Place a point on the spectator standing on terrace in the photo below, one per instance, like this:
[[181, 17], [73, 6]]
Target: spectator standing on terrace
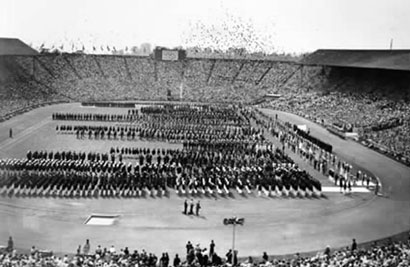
[[211, 249], [229, 256], [86, 248], [189, 247], [177, 261], [33, 251], [98, 250], [162, 261], [10, 245], [265, 257], [327, 251], [354, 245]]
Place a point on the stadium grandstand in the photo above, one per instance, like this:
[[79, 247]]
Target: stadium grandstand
[[369, 59], [15, 47], [144, 151]]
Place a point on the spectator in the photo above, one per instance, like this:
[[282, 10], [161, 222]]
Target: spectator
[[265, 257], [86, 247], [98, 251], [211, 249], [177, 261], [10, 245], [327, 251], [354, 245], [112, 249], [229, 256]]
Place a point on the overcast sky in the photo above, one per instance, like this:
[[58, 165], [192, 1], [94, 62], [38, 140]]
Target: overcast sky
[[290, 26]]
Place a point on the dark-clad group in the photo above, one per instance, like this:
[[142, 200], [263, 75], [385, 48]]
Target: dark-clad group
[[189, 207], [220, 152], [170, 123], [95, 117]]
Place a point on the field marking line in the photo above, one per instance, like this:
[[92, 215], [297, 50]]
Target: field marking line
[[23, 134]]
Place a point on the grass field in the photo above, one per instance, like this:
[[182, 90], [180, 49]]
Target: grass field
[[156, 224]]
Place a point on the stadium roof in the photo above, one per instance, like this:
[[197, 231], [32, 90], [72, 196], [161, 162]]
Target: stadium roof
[[12, 46], [373, 59]]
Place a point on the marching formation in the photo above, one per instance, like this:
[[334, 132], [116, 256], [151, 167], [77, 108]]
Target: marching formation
[[200, 169], [170, 123], [220, 152]]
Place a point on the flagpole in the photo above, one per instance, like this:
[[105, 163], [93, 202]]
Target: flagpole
[[234, 221]]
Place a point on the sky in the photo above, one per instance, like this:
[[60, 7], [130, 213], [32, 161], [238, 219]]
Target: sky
[[291, 26]]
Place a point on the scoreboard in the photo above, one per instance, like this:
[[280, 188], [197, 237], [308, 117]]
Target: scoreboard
[[161, 53]]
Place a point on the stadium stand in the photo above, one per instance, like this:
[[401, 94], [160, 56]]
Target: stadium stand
[[370, 59], [386, 253], [362, 91], [13, 46], [339, 90], [350, 91]]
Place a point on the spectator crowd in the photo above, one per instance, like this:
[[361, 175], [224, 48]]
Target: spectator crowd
[[386, 253], [374, 103]]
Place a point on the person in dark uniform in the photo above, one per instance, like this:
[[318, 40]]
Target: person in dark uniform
[[185, 206], [191, 207], [11, 133], [211, 249], [177, 261], [197, 208], [354, 245], [265, 257], [10, 245]]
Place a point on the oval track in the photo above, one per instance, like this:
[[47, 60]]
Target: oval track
[[278, 226]]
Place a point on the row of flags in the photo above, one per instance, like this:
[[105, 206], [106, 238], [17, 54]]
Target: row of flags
[[94, 49]]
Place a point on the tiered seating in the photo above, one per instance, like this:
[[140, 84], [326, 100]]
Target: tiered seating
[[170, 77], [385, 253], [374, 104], [367, 102]]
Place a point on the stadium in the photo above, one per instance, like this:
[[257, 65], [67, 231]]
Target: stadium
[[284, 161]]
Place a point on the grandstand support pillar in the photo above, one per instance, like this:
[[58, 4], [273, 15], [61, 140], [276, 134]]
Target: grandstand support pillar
[[301, 77]]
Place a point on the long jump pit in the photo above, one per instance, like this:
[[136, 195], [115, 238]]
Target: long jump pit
[[101, 220]]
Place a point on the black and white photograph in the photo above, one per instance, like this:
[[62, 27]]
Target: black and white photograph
[[204, 133]]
